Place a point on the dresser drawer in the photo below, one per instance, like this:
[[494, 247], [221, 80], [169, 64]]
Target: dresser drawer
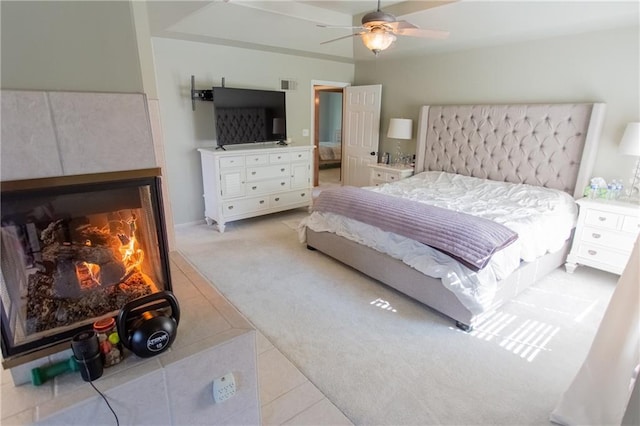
[[235, 161], [293, 197], [602, 219], [606, 256], [256, 159], [245, 205], [268, 172], [300, 156], [280, 157], [606, 238], [267, 186]]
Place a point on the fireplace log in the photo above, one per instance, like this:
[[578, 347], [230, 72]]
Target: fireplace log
[[70, 274]]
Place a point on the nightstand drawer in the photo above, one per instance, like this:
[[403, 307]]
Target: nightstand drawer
[[611, 239], [378, 175], [602, 219], [631, 224], [603, 255], [392, 177]]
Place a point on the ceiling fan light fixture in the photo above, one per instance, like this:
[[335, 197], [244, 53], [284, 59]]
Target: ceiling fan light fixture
[[378, 40]]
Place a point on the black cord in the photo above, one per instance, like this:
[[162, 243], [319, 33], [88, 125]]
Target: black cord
[[100, 393]]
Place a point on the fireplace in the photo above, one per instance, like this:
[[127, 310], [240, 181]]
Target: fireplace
[[75, 249]]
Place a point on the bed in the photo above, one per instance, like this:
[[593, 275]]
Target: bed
[[330, 154], [541, 150]]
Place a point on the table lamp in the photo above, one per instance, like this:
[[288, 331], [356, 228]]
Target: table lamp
[[630, 145], [400, 128]]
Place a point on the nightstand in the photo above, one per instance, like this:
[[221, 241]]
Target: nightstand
[[383, 173], [605, 234]]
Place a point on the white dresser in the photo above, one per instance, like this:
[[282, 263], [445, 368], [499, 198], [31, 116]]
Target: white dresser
[[243, 183], [605, 234], [383, 173]]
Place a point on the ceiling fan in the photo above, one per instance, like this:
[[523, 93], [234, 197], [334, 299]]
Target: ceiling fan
[[379, 30]]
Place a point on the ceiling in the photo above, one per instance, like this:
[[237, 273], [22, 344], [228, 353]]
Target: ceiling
[[291, 26]]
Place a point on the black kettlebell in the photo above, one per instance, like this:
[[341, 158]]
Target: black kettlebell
[[147, 332]]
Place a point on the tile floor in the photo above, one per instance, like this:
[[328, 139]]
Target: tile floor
[[287, 396]]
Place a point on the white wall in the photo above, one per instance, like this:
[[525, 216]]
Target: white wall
[[69, 45], [592, 67], [186, 130]]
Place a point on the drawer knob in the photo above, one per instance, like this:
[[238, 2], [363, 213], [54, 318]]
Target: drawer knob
[[282, 170], [254, 188], [392, 178], [253, 173], [283, 183], [303, 194], [230, 207], [261, 201], [602, 218], [277, 198], [592, 252], [594, 235]]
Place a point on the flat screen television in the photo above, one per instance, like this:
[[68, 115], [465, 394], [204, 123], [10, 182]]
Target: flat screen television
[[249, 116]]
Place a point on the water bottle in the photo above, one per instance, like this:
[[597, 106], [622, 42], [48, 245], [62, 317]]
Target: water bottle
[[593, 193], [611, 190], [619, 189]]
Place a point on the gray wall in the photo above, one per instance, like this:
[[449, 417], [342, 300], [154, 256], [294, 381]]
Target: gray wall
[[186, 130], [591, 67], [69, 45]]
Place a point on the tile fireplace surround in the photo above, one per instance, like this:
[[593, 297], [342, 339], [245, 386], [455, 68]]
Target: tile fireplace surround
[[51, 134]]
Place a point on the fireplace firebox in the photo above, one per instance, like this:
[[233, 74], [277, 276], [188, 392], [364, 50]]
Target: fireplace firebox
[[76, 249]]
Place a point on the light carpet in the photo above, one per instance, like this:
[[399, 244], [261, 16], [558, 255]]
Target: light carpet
[[381, 357]]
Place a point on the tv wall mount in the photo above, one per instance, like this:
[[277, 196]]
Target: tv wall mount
[[200, 95]]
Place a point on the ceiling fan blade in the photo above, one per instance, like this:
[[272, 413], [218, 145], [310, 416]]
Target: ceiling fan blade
[[338, 26], [417, 32], [340, 38], [402, 25]]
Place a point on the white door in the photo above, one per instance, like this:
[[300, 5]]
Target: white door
[[361, 131]]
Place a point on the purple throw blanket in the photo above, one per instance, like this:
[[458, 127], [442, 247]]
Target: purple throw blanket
[[469, 239]]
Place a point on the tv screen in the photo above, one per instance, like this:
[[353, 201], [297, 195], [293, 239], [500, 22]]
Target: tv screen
[[249, 116]]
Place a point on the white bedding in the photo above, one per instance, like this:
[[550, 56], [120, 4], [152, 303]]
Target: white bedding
[[542, 217]]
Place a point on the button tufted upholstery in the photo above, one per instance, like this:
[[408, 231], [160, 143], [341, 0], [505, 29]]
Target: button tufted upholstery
[[536, 144], [241, 125]]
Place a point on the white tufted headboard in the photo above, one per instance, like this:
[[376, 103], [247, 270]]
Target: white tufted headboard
[[550, 145]]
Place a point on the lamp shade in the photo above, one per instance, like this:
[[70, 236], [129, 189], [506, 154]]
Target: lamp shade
[[630, 143], [400, 128]]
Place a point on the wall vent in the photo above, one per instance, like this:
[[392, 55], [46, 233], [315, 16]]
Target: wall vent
[[288, 84]]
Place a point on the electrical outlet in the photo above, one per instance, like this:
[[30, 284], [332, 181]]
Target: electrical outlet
[[224, 387]]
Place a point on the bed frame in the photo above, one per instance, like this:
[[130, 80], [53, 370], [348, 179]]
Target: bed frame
[[550, 145]]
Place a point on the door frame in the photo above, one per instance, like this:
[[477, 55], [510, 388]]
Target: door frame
[[316, 86]]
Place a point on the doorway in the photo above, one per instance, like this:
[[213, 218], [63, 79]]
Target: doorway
[[327, 119]]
